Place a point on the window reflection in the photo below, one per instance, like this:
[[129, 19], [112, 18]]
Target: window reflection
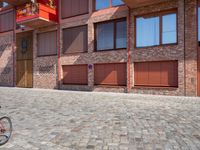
[[169, 29], [147, 31], [117, 2], [101, 4]]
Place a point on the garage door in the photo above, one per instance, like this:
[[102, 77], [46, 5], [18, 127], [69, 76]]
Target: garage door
[[110, 74], [75, 74]]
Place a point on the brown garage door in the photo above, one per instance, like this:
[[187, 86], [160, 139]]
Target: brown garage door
[[110, 74], [75, 74], [160, 73]]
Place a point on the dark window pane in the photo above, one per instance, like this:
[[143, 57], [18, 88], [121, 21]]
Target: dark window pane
[[117, 2], [121, 35], [199, 23], [105, 36], [147, 32], [101, 4], [169, 31]]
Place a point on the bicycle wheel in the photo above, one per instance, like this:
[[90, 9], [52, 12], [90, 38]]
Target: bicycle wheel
[[5, 130]]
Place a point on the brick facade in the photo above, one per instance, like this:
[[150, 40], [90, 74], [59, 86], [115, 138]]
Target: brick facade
[[6, 59], [185, 51]]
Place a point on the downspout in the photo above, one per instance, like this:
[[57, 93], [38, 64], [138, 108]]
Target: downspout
[[14, 47], [129, 52], [184, 53], [59, 48]]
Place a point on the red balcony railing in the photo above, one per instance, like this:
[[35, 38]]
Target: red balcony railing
[[39, 14]]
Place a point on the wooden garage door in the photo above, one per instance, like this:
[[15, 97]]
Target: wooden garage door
[[158, 74], [110, 74], [75, 74]]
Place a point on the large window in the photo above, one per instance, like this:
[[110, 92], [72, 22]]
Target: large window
[[156, 30], [111, 35], [75, 40], [47, 43], [101, 4]]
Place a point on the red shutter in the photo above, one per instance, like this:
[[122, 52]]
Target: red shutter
[[75, 74], [110, 74], [161, 73]]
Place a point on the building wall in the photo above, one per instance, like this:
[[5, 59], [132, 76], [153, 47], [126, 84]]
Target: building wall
[[187, 70], [6, 59], [44, 67], [185, 51], [92, 57], [191, 47]]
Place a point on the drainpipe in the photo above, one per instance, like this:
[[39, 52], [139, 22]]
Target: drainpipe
[[14, 47], [59, 48], [184, 53], [129, 52]]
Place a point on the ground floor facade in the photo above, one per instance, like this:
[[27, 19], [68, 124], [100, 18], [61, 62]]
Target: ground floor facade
[[166, 69]]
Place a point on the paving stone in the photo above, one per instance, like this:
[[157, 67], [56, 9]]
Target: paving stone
[[66, 120]]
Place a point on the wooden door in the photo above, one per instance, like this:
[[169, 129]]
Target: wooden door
[[24, 70]]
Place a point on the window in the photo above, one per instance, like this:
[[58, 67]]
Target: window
[[111, 35], [70, 8], [101, 4], [75, 74], [117, 2], [199, 25], [75, 40], [121, 34], [169, 29], [6, 21], [149, 33], [110, 74], [3, 4], [47, 43], [156, 74]]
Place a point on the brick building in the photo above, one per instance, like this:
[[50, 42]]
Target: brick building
[[146, 46]]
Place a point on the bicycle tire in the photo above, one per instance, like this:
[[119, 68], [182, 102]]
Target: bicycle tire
[[10, 131]]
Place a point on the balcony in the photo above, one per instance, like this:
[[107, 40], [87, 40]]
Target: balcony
[[141, 3], [36, 15]]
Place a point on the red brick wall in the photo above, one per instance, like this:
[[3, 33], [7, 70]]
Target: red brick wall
[[185, 51], [191, 47]]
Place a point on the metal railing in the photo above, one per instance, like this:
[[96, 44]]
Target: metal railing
[[29, 9]]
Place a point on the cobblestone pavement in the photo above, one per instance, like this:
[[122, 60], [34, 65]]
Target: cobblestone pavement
[[65, 120]]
